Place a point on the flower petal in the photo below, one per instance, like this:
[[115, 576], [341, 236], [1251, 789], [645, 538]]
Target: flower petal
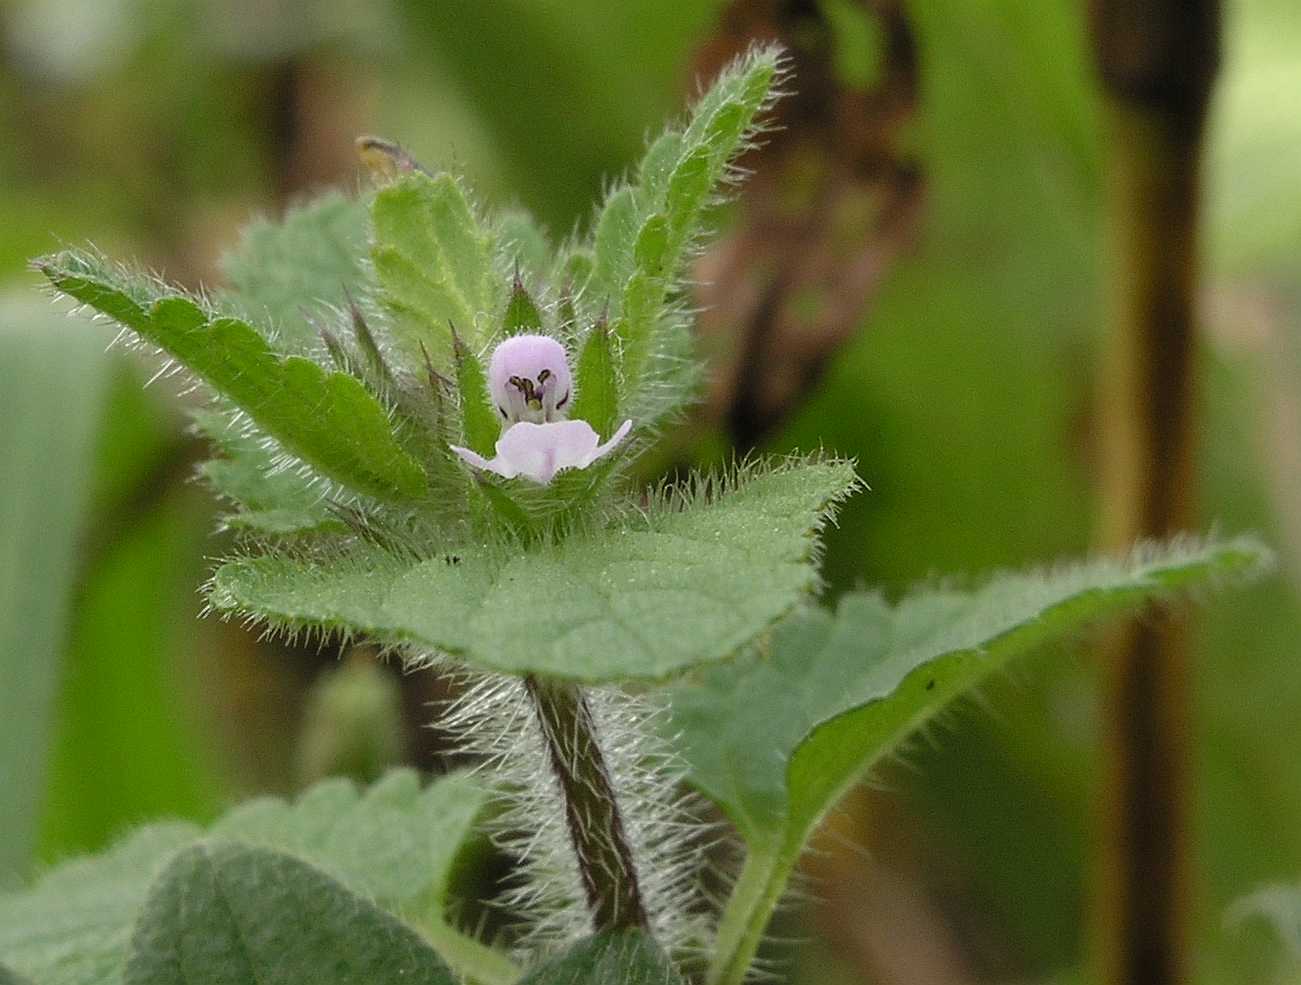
[[529, 379], [479, 462], [539, 451], [615, 440]]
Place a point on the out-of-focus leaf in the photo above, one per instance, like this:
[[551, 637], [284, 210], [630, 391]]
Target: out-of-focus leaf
[[52, 389], [627, 958], [690, 583], [74, 927], [1254, 206], [601, 97], [524, 242], [326, 419], [267, 500], [225, 913], [282, 271], [8, 977], [1279, 906], [394, 843], [352, 723], [129, 742]]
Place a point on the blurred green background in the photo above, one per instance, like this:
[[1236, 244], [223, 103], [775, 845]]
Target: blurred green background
[[959, 374]]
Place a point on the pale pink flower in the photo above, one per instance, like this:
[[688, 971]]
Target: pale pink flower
[[529, 379], [539, 451]]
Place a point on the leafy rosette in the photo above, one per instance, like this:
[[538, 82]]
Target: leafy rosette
[[427, 414]]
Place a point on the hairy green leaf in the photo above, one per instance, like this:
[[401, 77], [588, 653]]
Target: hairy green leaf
[[597, 383], [648, 225], [612, 242], [393, 843], [687, 584], [480, 425], [657, 164], [435, 265], [629, 958], [223, 913], [311, 259], [524, 243], [268, 500], [326, 419], [645, 231], [776, 739]]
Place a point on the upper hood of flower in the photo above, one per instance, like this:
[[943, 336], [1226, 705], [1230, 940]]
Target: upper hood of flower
[[539, 451], [529, 379]]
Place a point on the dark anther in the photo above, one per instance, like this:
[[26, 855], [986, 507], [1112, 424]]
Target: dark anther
[[524, 386], [564, 400]]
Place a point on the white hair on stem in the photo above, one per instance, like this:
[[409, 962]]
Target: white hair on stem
[[494, 719]]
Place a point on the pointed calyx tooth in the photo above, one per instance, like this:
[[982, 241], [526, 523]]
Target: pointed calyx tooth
[[522, 312], [367, 342]]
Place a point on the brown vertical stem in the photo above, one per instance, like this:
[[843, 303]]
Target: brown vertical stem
[[1157, 60], [592, 816]]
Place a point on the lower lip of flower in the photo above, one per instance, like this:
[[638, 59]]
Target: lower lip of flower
[[539, 451]]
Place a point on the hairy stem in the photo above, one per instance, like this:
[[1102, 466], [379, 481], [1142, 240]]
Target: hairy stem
[[596, 828], [1157, 60]]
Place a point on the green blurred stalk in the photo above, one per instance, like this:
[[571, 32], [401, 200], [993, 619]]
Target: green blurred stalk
[[52, 388]]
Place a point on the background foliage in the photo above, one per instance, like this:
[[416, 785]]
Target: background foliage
[[156, 128]]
